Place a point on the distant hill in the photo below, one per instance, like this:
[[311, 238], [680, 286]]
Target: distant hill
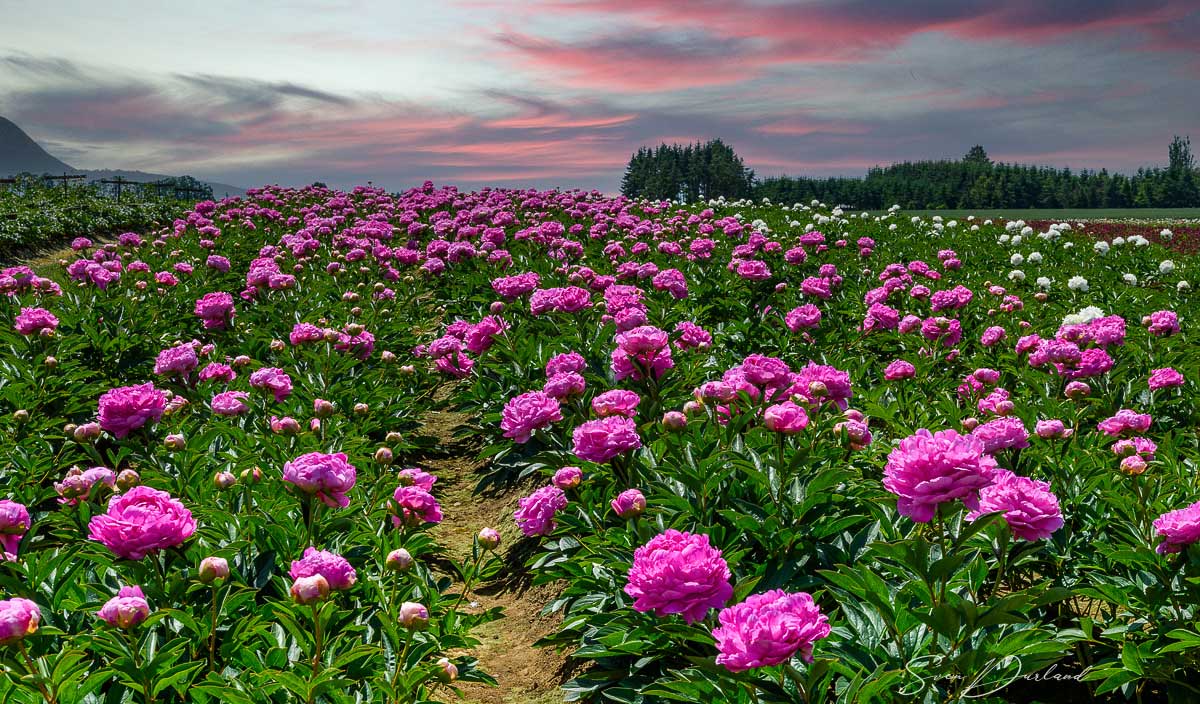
[[19, 153]]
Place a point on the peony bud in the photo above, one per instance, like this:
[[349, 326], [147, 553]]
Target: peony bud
[[399, 560], [277, 346], [310, 590], [50, 362], [1133, 465], [127, 479], [224, 480], [970, 424], [674, 421], [629, 504], [394, 437], [414, 616], [174, 442], [384, 456], [322, 408], [213, 569], [447, 671], [87, 432], [21, 416], [489, 538], [361, 409], [568, 478]]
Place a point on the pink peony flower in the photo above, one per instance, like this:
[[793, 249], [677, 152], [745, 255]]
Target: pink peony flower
[[415, 506], [215, 309], [679, 573], [1052, 429], [230, 403], [819, 384], [1165, 378], [127, 408], [528, 412], [768, 629], [1125, 421], [603, 439], [33, 321], [180, 360], [18, 618], [333, 567], [535, 513], [786, 418], [274, 380], [1030, 508], [1002, 434], [565, 385], [569, 362], [141, 522], [928, 469], [617, 402], [1178, 529], [414, 476], [14, 524], [899, 369], [125, 610], [803, 317], [1162, 323], [327, 476]]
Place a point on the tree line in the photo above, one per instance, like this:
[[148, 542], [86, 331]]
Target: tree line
[[972, 182], [688, 172]]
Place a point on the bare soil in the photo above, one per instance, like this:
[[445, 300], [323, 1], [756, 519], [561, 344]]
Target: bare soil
[[526, 674]]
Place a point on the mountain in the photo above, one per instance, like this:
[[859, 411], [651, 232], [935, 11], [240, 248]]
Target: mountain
[[20, 154]]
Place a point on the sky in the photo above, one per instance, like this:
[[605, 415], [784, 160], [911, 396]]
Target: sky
[[561, 92]]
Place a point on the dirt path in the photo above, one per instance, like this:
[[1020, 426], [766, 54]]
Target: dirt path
[[526, 675]]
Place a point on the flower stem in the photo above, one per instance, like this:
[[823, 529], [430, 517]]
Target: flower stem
[[37, 678]]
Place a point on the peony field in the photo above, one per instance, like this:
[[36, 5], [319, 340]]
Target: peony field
[[496, 446]]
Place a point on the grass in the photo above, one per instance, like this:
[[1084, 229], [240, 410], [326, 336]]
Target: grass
[[1154, 214]]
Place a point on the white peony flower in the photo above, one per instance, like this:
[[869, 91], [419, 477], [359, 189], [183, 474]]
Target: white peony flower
[[1166, 234], [1016, 275], [1182, 286], [1166, 266], [1084, 316], [1101, 247], [1016, 259], [1077, 283], [1043, 282], [1035, 258], [1130, 279]]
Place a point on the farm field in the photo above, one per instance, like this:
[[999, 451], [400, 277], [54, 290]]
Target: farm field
[[322, 446], [1164, 215]]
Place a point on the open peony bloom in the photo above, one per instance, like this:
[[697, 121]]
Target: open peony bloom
[[769, 629], [929, 469], [141, 522], [679, 573], [415, 505], [1178, 529], [535, 513], [125, 409], [528, 412], [333, 567], [327, 476], [603, 439], [1030, 508]]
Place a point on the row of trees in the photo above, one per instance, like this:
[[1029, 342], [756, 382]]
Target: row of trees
[[973, 182], [687, 172]]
